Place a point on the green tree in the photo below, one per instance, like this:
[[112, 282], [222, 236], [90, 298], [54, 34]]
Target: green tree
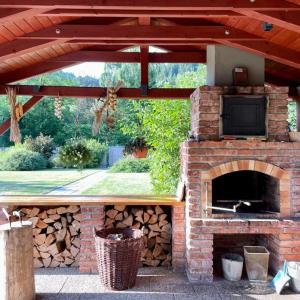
[[166, 124]]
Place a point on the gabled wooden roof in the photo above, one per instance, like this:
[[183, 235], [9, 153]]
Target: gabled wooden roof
[[36, 34]]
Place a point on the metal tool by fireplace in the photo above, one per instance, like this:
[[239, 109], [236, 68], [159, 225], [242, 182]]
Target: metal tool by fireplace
[[233, 209]]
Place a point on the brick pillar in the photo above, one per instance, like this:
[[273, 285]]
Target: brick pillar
[[92, 216], [199, 248], [178, 239]]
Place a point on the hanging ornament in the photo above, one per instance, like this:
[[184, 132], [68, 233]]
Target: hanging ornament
[[107, 105], [58, 107]]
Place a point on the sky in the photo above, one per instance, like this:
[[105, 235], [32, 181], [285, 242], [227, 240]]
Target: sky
[[93, 69]]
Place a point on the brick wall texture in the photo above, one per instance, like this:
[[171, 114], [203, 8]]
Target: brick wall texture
[[202, 161]]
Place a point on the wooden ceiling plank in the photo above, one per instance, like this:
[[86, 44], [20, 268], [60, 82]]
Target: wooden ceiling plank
[[140, 32], [152, 4]]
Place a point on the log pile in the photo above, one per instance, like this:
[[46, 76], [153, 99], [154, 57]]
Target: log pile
[[56, 235], [156, 225]]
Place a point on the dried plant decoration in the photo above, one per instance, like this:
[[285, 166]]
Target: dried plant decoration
[[107, 105], [15, 134], [58, 107]]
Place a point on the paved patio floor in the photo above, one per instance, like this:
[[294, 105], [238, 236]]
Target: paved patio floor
[[152, 284]]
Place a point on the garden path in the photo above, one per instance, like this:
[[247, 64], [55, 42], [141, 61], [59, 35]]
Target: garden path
[[77, 187]]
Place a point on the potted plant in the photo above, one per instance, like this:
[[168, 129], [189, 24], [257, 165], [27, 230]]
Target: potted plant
[[137, 147]]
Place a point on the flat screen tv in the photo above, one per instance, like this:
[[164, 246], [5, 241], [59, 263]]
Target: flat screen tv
[[244, 116]]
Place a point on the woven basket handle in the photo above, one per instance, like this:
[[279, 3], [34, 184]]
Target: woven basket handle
[[95, 231]]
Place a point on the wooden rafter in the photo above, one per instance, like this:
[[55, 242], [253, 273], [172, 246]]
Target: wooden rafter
[[131, 57], [142, 13], [15, 14], [26, 107], [17, 47], [96, 92], [32, 70], [140, 32], [153, 4], [286, 19]]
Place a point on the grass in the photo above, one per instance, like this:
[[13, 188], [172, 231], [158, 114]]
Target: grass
[[122, 184], [37, 182]]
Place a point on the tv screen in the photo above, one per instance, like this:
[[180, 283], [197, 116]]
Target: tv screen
[[244, 115]]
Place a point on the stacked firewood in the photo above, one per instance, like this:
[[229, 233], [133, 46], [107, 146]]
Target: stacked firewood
[[156, 225], [56, 235]]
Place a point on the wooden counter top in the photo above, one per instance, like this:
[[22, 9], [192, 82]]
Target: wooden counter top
[[55, 200]]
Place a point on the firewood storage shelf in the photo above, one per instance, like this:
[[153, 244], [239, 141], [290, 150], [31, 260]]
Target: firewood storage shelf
[[43, 200]]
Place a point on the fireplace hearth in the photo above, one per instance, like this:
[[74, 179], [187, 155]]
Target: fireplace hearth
[[249, 192], [240, 189]]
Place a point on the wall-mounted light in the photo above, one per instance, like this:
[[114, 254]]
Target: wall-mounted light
[[57, 31], [267, 26]]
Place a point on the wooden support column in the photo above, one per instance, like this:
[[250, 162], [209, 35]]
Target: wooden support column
[[26, 107], [144, 70], [144, 59]]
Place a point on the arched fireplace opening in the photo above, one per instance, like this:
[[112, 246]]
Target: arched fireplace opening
[[249, 192]]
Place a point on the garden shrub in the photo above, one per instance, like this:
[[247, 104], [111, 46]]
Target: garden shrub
[[42, 144], [98, 152], [21, 159], [75, 154], [131, 165]]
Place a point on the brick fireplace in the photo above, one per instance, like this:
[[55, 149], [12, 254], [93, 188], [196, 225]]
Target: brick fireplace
[[263, 173]]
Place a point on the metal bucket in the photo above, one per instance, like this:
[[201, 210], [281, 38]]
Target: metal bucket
[[232, 265], [257, 262], [294, 273]]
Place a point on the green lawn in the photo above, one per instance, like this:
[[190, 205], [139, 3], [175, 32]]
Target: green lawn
[[122, 184], [37, 182]]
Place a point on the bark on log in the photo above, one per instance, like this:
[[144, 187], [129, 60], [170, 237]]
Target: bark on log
[[16, 261]]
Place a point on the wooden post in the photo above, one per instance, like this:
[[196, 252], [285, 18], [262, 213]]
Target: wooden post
[[16, 261]]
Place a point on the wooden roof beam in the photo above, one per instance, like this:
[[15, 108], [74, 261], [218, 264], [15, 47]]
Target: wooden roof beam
[[285, 19], [26, 107], [16, 48], [150, 42], [140, 32], [33, 70], [96, 92], [153, 4], [131, 57], [15, 14], [142, 13]]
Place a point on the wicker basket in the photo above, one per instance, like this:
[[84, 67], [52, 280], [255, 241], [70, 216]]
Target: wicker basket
[[294, 136], [118, 261]]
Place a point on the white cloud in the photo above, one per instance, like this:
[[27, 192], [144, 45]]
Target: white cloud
[[87, 69]]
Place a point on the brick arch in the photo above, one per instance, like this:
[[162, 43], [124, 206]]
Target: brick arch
[[248, 165]]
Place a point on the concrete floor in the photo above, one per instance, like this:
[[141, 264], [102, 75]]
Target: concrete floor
[[152, 283]]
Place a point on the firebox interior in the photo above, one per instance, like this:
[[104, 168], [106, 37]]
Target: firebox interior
[[256, 192]]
